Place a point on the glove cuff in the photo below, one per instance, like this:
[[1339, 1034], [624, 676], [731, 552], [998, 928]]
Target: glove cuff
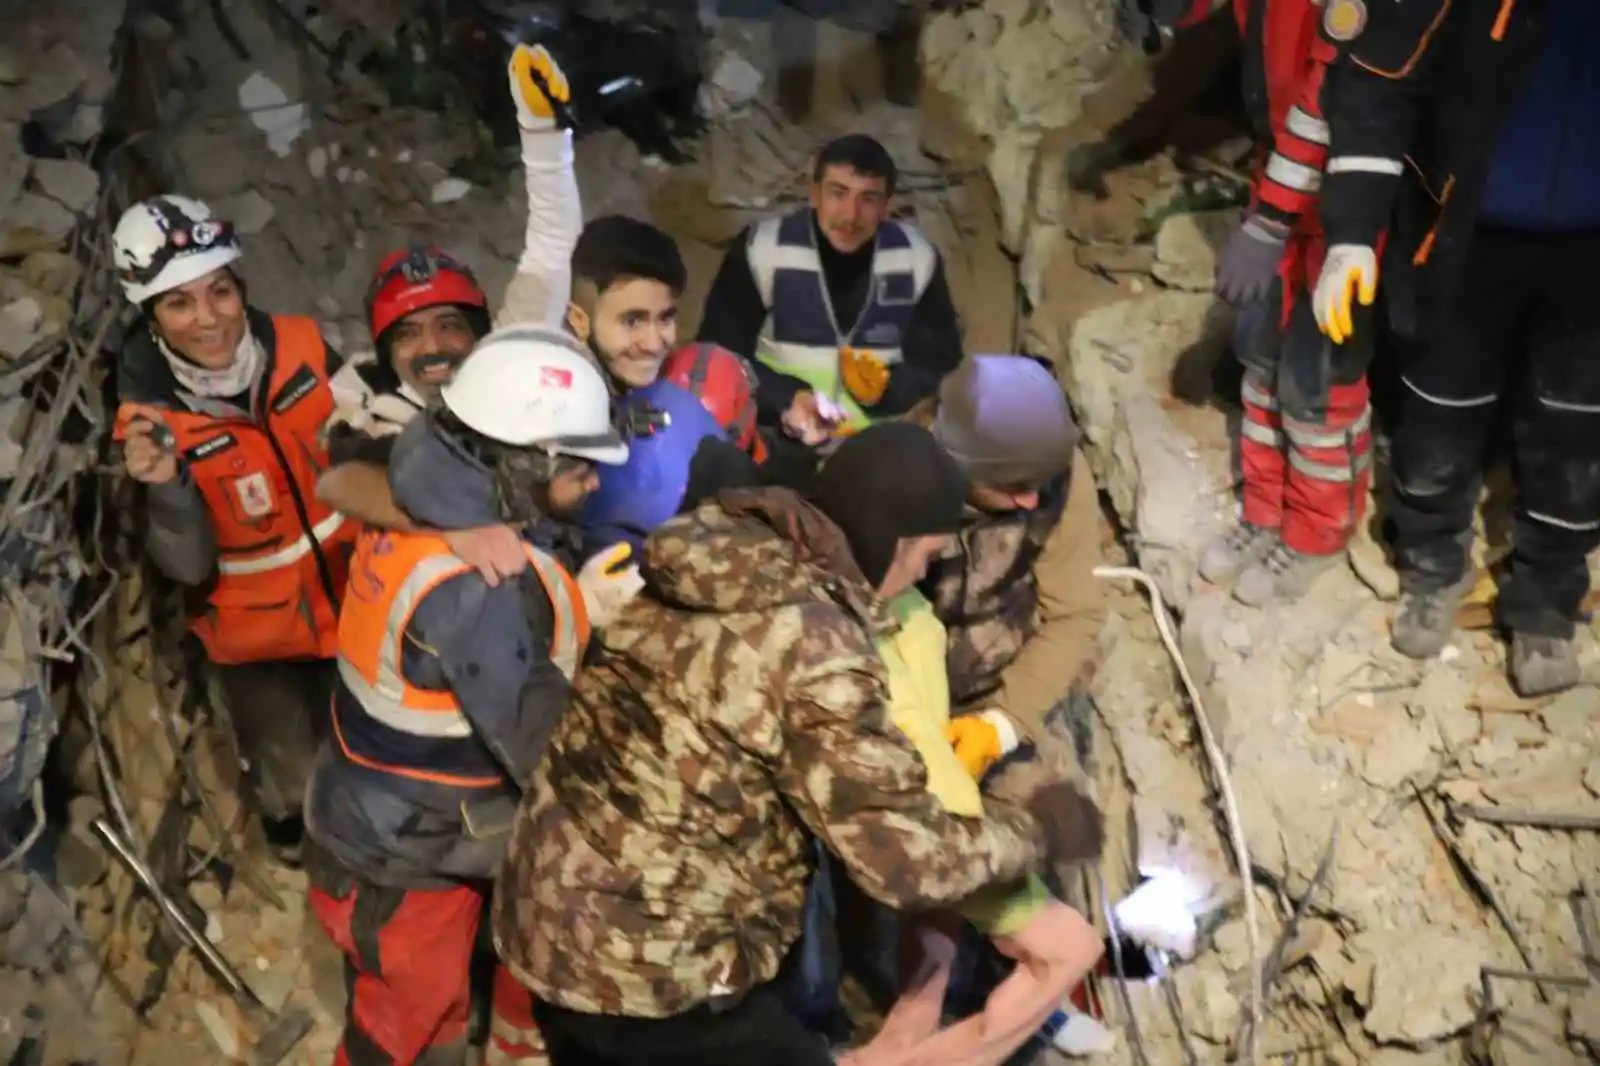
[[1004, 728]]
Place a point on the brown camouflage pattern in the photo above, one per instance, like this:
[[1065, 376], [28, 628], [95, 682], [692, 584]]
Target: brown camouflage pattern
[[986, 594], [662, 858]]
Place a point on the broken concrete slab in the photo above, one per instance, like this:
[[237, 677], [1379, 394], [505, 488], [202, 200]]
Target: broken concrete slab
[[1165, 462], [1426, 992], [68, 182], [34, 223], [1187, 247], [249, 211]]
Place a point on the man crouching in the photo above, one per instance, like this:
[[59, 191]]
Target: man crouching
[[654, 880]]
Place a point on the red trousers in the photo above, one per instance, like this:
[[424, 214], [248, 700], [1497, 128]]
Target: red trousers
[[407, 961], [1305, 441]]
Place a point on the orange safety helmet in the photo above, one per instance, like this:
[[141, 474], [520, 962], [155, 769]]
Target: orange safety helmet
[[417, 277], [726, 384]]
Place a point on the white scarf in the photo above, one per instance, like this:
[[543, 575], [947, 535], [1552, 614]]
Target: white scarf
[[231, 380]]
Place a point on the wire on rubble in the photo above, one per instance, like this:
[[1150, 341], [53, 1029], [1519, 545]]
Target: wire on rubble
[[1219, 768]]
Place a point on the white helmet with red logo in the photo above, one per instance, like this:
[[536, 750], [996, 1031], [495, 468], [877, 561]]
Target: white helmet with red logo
[[535, 387], [169, 241]]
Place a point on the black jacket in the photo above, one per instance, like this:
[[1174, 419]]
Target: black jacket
[[1415, 107]]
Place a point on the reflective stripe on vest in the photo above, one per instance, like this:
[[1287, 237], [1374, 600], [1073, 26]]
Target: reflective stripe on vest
[[378, 612], [323, 532], [801, 335]]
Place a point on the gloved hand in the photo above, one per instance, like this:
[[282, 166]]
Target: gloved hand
[[534, 108], [1250, 261], [1071, 823], [981, 740], [609, 582], [864, 374], [1349, 271]]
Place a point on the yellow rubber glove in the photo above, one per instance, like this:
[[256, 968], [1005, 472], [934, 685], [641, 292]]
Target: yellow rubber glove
[[1350, 271], [534, 111], [864, 374], [981, 740], [609, 582]]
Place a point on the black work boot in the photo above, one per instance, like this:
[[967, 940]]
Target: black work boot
[[1542, 665], [1427, 618]]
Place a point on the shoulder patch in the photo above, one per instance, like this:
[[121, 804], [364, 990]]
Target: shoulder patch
[[1343, 20]]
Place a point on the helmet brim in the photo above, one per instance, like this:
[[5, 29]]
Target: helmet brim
[[607, 449]]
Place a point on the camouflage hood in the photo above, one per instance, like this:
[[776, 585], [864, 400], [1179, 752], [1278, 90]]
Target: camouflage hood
[[753, 550]]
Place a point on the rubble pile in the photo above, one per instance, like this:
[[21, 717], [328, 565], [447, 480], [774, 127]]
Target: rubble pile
[[1367, 784], [1423, 841], [57, 305]]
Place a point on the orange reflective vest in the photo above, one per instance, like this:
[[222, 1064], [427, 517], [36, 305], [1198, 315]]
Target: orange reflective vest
[[401, 729], [281, 555]]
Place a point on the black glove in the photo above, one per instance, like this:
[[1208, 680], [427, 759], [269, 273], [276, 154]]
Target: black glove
[[1071, 823]]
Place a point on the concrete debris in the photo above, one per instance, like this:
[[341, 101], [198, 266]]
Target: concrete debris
[[250, 212], [1187, 247], [450, 190], [68, 182], [35, 223], [269, 108], [22, 325], [1426, 992], [223, 1032]]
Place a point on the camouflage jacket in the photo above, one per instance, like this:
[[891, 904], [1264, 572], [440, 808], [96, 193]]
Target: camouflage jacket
[[1020, 601], [662, 857]]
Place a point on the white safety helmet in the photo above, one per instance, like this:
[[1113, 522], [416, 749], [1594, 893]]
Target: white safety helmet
[[535, 387], [168, 241]]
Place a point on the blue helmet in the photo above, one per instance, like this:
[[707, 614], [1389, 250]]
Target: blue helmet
[[664, 425]]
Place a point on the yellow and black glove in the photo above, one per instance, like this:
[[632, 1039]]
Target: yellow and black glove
[[864, 374], [535, 110]]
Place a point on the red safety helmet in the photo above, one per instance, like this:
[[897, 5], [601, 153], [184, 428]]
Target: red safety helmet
[[725, 383], [418, 277]]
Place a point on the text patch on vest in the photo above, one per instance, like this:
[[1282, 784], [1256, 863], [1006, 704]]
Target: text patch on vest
[[301, 383], [211, 446]]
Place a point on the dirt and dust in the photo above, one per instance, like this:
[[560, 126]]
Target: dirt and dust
[[1399, 893]]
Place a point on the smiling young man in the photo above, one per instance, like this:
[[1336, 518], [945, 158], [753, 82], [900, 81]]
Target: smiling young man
[[845, 311]]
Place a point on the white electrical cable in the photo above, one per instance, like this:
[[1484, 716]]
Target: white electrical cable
[[1219, 767]]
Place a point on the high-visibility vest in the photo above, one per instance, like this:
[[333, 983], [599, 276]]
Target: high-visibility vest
[[281, 554], [800, 337], [400, 728]]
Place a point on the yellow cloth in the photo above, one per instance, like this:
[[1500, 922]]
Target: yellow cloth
[[919, 698]]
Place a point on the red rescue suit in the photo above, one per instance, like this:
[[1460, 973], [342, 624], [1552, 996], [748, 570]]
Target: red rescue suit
[[1306, 438]]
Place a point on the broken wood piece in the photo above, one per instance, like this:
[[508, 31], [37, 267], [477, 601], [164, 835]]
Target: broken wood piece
[[1535, 819]]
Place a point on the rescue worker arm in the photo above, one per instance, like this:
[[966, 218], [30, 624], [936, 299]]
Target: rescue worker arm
[[932, 348], [1071, 611], [540, 289], [493, 645], [1373, 101], [360, 489], [856, 781], [178, 531], [733, 317]]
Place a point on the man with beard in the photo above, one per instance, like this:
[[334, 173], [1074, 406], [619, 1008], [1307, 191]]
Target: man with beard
[[448, 689]]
